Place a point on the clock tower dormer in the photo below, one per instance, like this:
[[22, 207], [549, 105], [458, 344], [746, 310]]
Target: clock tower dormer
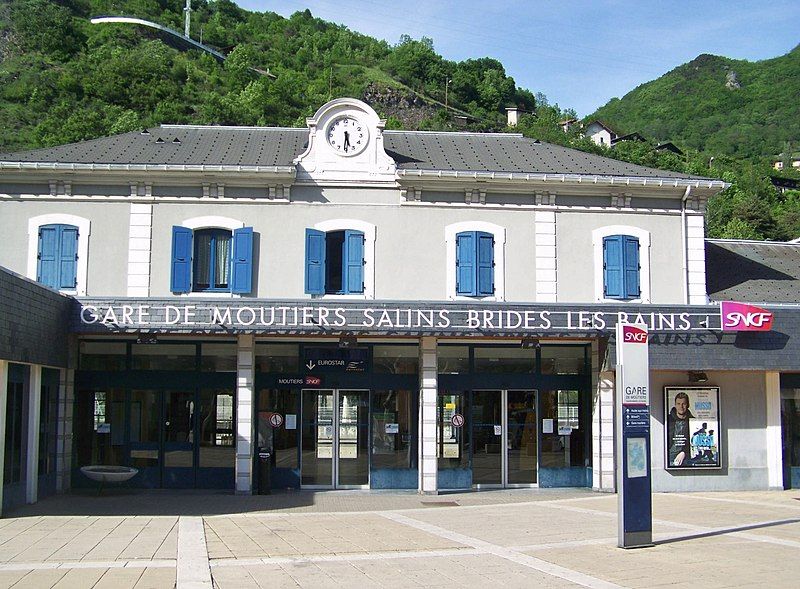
[[345, 145]]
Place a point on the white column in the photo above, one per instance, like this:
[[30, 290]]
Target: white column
[[603, 463], [546, 268], [3, 405], [244, 415], [428, 369], [696, 259], [774, 447], [139, 247], [32, 448], [66, 401]]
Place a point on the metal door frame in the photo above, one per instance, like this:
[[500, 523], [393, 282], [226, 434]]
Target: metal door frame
[[335, 422], [504, 484]]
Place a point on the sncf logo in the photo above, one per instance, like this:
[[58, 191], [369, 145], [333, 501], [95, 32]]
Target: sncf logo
[[313, 381], [742, 317], [634, 335]]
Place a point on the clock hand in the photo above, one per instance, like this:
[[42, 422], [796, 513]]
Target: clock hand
[[346, 140]]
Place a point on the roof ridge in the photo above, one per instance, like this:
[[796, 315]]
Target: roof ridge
[[237, 127], [752, 241], [459, 133]]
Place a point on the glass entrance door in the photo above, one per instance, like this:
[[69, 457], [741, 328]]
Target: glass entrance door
[[335, 434], [504, 438], [162, 439]]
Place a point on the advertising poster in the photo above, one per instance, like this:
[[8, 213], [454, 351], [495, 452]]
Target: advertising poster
[[692, 429]]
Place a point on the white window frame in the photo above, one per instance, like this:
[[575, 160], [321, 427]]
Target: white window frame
[[210, 222], [644, 261], [84, 229], [499, 233], [369, 231]]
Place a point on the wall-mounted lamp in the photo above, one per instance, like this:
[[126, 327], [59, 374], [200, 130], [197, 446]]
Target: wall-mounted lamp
[[531, 343], [696, 376], [348, 341]]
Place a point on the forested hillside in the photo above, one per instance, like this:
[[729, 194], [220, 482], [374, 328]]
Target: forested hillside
[[63, 79], [716, 104]]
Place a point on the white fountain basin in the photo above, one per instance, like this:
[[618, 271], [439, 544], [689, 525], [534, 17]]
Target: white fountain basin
[[109, 474]]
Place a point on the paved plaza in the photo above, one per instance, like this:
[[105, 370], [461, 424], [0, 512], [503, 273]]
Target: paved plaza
[[514, 538]]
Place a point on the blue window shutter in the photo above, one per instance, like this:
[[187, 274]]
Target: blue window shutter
[[242, 261], [612, 267], [315, 262], [68, 257], [466, 283], [631, 264], [353, 262], [47, 263], [181, 279], [485, 256]]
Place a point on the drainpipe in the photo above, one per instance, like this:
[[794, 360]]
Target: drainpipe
[[685, 245]]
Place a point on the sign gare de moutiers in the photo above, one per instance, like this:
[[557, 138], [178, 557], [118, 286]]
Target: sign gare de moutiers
[[372, 318]]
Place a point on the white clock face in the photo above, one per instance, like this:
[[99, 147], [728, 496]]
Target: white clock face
[[347, 135]]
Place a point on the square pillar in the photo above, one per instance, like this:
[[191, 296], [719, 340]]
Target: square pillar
[[3, 406], [773, 432], [603, 463], [245, 371], [428, 370], [66, 403], [32, 453]]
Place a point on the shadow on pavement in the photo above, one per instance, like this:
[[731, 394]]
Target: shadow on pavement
[[723, 531]]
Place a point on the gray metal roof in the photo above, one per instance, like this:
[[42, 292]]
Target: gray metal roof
[[271, 146], [753, 271]]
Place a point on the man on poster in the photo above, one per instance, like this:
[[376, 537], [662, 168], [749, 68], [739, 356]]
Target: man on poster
[[678, 441]]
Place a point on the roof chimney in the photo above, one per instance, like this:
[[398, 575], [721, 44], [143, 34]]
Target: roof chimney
[[513, 116]]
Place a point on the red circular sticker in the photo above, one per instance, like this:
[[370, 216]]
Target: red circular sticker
[[276, 420], [457, 420]]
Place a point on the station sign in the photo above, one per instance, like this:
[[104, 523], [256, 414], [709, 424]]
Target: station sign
[[310, 317], [634, 484]]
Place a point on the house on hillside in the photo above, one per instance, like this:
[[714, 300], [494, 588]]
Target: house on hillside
[[600, 133], [780, 161]]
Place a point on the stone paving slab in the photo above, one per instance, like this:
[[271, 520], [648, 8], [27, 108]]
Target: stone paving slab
[[508, 539]]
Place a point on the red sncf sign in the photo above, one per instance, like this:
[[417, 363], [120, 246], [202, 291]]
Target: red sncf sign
[[634, 335], [743, 317]]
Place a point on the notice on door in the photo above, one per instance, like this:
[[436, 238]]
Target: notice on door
[[547, 426], [291, 421]]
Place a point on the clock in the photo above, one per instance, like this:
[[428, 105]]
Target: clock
[[347, 135]]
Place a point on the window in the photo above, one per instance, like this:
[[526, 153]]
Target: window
[[212, 259], [57, 265], [474, 264], [334, 262], [58, 250], [621, 263], [621, 267]]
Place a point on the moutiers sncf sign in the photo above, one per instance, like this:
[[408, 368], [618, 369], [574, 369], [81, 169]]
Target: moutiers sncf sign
[[402, 318]]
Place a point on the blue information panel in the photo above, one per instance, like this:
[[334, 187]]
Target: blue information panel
[[633, 445]]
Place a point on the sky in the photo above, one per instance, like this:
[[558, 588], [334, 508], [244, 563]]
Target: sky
[[580, 54]]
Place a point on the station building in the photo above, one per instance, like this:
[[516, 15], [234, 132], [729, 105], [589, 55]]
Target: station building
[[369, 309]]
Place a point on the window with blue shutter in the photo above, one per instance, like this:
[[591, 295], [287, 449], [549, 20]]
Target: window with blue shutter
[[621, 267], [315, 262], [353, 264], [474, 264], [242, 261], [212, 260], [181, 267], [334, 262], [57, 259]]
